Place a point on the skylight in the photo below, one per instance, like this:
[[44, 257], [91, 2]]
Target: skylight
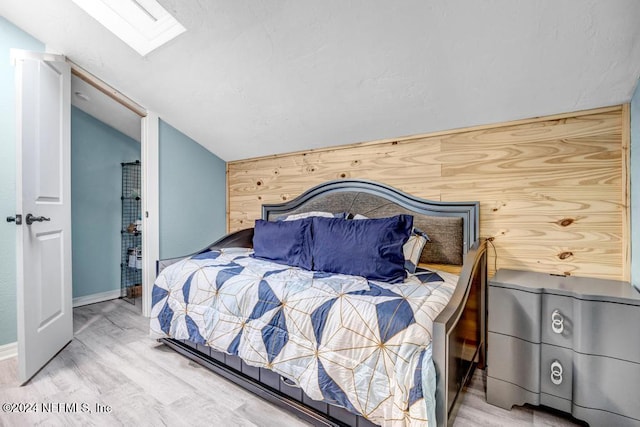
[[142, 24]]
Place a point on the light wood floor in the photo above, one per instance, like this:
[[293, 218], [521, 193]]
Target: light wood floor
[[112, 361]]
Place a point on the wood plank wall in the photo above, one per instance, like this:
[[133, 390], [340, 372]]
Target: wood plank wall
[[552, 190]]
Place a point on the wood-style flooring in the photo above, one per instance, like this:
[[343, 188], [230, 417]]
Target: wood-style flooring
[[113, 374]]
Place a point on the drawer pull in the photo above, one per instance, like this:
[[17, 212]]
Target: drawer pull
[[288, 382], [556, 373], [557, 322]]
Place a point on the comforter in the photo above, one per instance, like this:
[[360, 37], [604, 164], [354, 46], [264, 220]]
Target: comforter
[[359, 344]]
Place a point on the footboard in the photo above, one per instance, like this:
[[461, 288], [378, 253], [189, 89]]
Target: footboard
[[459, 334]]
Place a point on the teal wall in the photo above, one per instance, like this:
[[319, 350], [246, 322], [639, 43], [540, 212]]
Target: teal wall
[[97, 151], [10, 37], [635, 188], [192, 194]]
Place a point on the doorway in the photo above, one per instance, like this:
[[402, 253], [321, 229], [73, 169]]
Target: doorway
[[106, 194], [43, 190]]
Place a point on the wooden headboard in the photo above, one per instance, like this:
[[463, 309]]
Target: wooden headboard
[[452, 227]]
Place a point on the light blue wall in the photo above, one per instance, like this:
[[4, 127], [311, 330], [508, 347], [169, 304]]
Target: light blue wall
[[635, 188], [10, 37], [192, 194], [97, 151]]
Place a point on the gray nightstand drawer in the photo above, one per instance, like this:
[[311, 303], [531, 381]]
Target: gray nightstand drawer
[[591, 327], [556, 371], [557, 323], [608, 329], [514, 360], [608, 384], [514, 313]]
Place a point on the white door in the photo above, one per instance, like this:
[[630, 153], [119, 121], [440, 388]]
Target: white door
[[43, 186]]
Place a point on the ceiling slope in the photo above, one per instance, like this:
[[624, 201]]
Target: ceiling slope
[[251, 78]]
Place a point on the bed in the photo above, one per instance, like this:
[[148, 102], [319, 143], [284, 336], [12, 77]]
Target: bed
[[336, 348]]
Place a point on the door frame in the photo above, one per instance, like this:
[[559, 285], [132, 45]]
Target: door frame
[[149, 156]]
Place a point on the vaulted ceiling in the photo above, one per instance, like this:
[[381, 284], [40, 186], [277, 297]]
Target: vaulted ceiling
[[257, 77]]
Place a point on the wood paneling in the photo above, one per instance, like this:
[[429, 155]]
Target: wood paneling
[[553, 191]]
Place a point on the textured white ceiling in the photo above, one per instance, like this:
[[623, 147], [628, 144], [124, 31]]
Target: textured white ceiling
[[252, 77]]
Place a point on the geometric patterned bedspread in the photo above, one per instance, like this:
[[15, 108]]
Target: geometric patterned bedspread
[[362, 345]]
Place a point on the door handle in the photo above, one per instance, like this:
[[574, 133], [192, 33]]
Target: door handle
[[17, 219], [30, 219]]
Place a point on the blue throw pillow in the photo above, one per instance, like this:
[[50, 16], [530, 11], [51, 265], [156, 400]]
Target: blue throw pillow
[[371, 248], [284, 242], [412, 248]]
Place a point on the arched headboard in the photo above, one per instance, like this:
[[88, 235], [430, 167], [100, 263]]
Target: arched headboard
[[453, 227]]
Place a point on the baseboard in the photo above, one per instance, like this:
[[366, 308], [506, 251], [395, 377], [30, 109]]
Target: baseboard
[[94, 298], [8, 351]]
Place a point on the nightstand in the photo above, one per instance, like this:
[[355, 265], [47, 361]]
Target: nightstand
[[569, 343]]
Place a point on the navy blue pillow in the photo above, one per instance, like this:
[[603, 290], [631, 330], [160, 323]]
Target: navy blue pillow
[[371, 248], [284, 242]]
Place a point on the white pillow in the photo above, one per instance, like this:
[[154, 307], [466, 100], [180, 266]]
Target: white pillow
[[310, 214], [413, 249]]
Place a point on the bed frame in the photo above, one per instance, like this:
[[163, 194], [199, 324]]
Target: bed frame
[[459, 331]]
